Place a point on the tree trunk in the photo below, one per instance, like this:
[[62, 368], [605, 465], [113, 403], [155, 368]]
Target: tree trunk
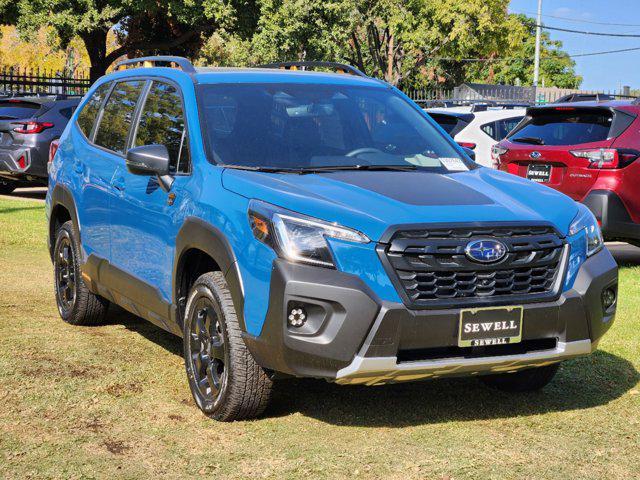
[[390, 52], [96, 45]]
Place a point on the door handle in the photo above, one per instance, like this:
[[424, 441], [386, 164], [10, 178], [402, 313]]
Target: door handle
[[118, 183]]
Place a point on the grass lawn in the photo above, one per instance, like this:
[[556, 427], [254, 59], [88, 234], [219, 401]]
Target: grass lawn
[[113, 402]]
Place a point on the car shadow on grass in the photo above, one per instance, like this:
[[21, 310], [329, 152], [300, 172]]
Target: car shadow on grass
[[581, 383]]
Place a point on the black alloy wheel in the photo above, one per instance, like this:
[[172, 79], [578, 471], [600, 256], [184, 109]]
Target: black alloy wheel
[[65, 275], [208, 353]]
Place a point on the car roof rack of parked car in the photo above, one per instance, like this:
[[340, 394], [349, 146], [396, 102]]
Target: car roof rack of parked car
[[303, 65], [159, 61]]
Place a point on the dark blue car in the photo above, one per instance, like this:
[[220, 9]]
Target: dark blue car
[[314, 224]]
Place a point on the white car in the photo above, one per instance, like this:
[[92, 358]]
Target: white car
[[478, 131]]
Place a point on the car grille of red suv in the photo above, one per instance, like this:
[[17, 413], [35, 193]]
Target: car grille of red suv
[[430, 267]]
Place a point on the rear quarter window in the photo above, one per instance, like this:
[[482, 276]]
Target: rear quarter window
[[564, 128]]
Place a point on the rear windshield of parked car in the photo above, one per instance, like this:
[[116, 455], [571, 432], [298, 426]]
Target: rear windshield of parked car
[[15, 109], [293, 126], [447, 122], [564, 128]]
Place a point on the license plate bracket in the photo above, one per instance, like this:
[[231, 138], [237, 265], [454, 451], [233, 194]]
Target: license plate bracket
[[486, 326], [540, 173]]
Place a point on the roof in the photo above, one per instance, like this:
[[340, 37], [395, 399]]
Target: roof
[[270, 75]]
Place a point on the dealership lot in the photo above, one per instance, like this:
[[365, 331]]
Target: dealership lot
[[113, 401]]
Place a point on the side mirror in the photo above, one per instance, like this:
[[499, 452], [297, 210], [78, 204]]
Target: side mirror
[[150, 160], [470, 153]]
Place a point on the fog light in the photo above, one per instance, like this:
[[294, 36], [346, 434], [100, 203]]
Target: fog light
[[297, 317], [608, 298]]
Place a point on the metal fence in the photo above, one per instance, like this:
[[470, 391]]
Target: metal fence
[[35, 81], [501, 94]]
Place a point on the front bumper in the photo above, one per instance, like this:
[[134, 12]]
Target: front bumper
[[352, 337]]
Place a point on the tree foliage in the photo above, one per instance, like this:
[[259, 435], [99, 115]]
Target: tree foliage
[[142, 26], [41, 50], [413, 43], [556, 66]]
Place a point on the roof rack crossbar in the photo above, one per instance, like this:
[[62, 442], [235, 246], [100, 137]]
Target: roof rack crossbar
[[339, 67], [184, 63]]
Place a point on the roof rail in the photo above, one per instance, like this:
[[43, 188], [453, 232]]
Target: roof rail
[[338, 67], [184, 63]]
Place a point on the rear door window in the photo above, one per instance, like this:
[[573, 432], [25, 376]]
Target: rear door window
[[17, 109], [564, 128], [162, 122], [89, 112], [117, 115]]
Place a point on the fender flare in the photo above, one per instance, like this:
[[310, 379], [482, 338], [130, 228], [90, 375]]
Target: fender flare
[[197, 234], [61, 196]]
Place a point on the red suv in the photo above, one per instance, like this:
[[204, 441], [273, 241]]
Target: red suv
[[587, 150]]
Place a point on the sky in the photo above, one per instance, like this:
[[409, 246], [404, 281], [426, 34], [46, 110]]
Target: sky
[[603, 72]]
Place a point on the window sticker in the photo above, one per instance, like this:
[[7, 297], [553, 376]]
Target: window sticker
[[453, 164]]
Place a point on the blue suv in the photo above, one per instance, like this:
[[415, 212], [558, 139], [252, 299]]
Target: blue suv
[[302, 219]]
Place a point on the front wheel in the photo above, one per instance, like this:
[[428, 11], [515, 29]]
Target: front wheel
[[226, 382], [528, 380]]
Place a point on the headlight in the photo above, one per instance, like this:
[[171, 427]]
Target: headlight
[[586, 221], [297, 237]]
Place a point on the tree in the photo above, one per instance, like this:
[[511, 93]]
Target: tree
[[556, 66], [411, 43], [141, 25], [41, 50]]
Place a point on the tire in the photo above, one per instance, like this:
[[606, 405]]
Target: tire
[[7, 186], [528, 380], [76, 304], [226, 382]]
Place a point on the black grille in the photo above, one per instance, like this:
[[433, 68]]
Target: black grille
[[431, 266]]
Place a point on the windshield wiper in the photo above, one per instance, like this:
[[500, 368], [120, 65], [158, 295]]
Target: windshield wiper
[[252, 168], [320, 169], [333, 168], [532, 140]]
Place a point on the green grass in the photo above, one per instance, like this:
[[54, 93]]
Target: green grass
[[113, 402]]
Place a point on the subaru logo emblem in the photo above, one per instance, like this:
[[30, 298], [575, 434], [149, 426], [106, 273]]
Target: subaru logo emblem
[[535, 155], [485, 250]]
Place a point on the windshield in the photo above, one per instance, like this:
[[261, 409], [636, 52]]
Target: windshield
[[293, 126]]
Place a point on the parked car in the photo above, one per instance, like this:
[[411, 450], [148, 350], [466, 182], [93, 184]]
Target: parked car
[[478, 130], [27, 127], [588, 151], [314, 224]]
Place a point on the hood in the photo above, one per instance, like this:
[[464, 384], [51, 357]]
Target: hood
[[372, 201]]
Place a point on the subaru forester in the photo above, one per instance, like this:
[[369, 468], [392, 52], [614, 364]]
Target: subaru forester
[[303, 219]]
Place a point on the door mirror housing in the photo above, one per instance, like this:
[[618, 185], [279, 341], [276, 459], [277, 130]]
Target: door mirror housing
[[150, 160]]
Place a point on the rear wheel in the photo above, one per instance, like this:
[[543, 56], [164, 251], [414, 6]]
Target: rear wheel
[[528, 380], [7, 186], [226, 382], [76, 304]]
